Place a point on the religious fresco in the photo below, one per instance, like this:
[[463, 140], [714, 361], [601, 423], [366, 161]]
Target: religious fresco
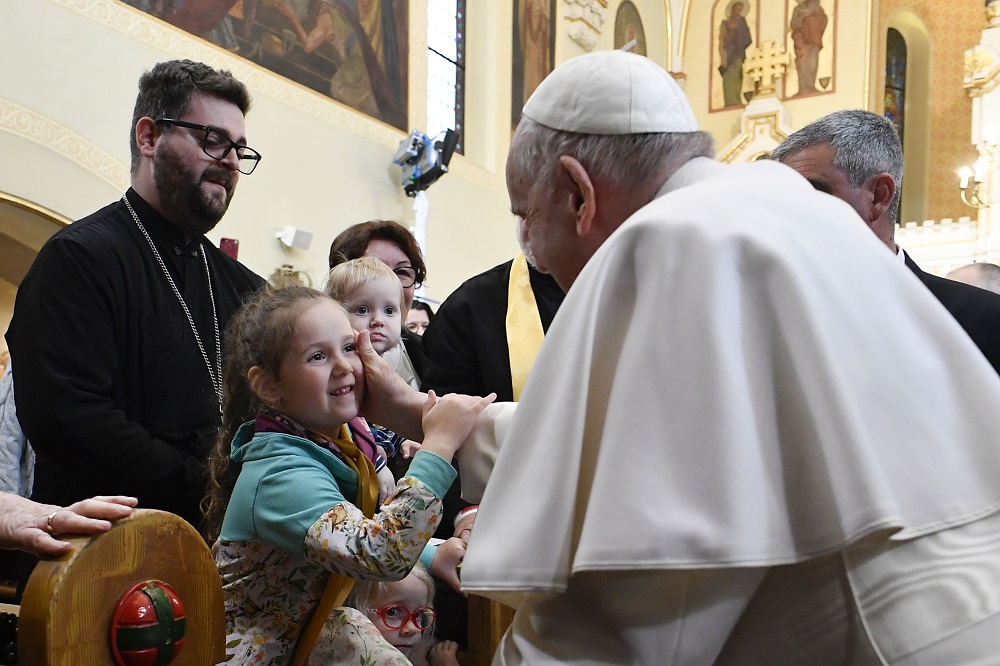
[[628, 29], [735, 30], [810, 31], [533, 55], [354, 51]]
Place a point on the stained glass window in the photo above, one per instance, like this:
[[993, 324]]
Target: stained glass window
[[895, 85], [895, 79]]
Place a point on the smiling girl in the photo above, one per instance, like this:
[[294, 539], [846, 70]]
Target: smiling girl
[[293, 492]]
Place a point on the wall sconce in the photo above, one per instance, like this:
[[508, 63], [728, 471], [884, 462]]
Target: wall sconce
[[975, 183]]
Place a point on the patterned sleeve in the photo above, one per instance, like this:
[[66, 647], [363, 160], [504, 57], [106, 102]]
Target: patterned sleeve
[[382, 548]]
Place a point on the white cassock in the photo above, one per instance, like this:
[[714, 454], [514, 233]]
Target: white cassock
[[750, 437]]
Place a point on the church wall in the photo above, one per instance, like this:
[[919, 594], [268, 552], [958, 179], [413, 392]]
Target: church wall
[[847, 28], [655, 16], [953, 27], [65, 110]]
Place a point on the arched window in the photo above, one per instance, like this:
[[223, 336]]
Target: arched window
[[895, 85], [895, 79], [446, 68]]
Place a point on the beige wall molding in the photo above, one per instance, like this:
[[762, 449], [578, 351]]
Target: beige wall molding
[[28, 124], [179, 44], [33, 208]]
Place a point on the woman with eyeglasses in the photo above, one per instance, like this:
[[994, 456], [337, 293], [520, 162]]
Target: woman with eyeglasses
[[395, 246]]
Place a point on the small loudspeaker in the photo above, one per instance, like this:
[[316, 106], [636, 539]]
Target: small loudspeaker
[[296, 238]]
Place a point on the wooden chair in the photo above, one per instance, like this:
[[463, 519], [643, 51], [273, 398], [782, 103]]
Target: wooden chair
[[488, 620], [68, 606]]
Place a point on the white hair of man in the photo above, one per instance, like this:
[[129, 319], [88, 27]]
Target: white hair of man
[[624, 161], [863, 143]]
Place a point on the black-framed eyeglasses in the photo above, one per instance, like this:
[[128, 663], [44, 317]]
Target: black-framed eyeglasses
[[407, 275], [396, 616], [217, 145]]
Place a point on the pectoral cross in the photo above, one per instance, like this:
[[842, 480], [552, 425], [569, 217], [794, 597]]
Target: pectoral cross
[[764, 66]]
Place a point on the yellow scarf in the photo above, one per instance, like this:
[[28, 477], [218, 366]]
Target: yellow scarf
[[338, 586], [524, 325]]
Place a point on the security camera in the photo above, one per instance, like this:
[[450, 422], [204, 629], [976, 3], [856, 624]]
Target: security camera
[[424, 160]]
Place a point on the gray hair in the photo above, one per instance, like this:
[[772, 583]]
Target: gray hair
[[626, 161], [864, 144]]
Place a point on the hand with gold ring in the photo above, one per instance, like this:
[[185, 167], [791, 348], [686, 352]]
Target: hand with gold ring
[[30, 526]]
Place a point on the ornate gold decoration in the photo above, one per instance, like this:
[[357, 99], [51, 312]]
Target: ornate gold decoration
[[982, 70], [765, 65], [28, 124]]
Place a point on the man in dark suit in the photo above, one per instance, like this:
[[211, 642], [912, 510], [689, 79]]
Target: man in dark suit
[[856, 156]]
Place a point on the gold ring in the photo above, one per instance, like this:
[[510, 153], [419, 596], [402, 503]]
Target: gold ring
[[48, 522]]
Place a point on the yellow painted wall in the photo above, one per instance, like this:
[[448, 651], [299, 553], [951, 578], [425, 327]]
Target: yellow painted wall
[[953, 27]]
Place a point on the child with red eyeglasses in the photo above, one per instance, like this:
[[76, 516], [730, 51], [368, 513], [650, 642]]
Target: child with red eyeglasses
[[403, 612]]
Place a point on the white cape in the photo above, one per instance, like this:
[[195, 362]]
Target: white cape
[[737, 380]]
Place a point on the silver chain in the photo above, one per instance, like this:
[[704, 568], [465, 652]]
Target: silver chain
[[214, 373]]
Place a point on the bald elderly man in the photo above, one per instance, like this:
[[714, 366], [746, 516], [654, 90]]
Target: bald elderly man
[[980, 274], [731, 449]]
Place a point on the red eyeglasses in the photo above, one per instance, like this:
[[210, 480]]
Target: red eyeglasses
[[397, 616]]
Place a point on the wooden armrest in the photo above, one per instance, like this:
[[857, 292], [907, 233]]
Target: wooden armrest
[[69, 602]]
